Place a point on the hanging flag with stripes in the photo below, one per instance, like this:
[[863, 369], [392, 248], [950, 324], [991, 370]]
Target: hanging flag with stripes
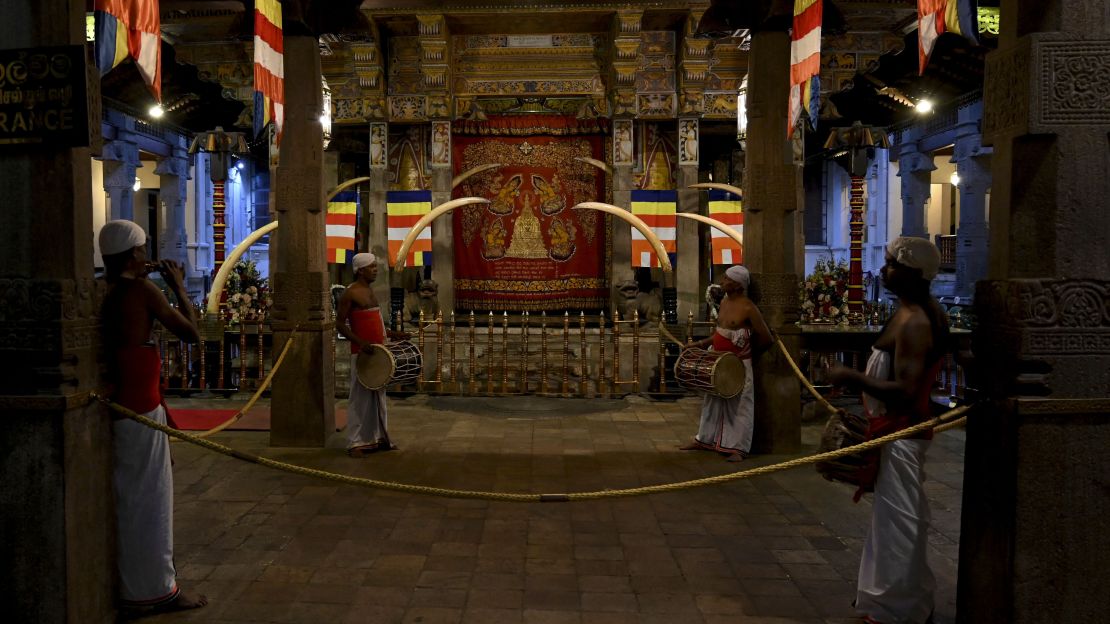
[[130, 28], [726, 208], [403, 210], [657, 209], [805, 62], [341, 224], [269, 67], [936, 17]]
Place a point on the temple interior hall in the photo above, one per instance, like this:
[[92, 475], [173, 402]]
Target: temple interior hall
[[559, 311]]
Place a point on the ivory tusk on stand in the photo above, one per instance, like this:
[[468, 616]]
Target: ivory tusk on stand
[[638, 223], [410, 238], [459, 179]]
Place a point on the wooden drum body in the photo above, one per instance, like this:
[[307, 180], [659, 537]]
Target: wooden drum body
[[387, 364], [719, 373]]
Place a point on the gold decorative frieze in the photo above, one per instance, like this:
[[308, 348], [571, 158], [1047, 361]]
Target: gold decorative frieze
[[527, 87], [719, 105], [624, 103], [657, 105], [431, 25], [408, 108], [627, 48], [692, 101], [628, 21]]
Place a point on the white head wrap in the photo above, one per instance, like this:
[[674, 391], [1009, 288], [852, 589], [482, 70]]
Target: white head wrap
[[916, 253], [363, 260], [119, 236], [740, 275]]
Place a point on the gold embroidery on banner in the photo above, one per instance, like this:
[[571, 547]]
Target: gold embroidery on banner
[[527, 241]]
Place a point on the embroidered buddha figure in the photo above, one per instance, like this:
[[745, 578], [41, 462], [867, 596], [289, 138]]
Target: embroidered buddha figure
[[527, 238], [658, 176]]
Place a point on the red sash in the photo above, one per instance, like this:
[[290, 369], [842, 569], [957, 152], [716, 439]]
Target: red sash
[[139, 372], [720, 343], [367, 325]]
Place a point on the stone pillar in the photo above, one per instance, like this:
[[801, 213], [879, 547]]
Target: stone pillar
[[121, 159], [174, 175], [56, 516], [302, 400], [973, 166], [443, 241], [914, 169], [622, 232], [771, 239], [375, 212], [1036, 514], [687, 240]]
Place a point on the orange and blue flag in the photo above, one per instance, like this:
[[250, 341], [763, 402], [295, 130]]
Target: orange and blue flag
[[805, 62], [341, 224], [269, 67], [130, 29], [936, 17], [726, 208], [403, 209], [658, 209]]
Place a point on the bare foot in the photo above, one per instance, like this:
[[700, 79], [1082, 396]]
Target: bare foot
[[692, 446], [358, 452], [184, 601]]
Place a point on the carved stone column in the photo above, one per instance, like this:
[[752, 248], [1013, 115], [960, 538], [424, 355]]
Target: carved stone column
[[303, 403], [375, 211], [121, 159], [443, 241], [687, 239], [174, 175], [56, 516], [973, 166], [1035, 532], [771, 239], [914, 169]]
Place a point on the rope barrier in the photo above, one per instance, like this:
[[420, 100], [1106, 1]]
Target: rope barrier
[[257, 393], [952, 418]]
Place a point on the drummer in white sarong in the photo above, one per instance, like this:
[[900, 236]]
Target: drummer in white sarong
[[726, 425], [359, 319]]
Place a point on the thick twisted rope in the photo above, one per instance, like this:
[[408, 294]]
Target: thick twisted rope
[[953, 418], [257, 393]]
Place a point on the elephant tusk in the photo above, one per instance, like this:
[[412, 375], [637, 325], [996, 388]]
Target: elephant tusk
[[229, 264], [459, 179], [596, 163], [410, 238], [349, 183], [724, 227], [637, 223], [735, 190]]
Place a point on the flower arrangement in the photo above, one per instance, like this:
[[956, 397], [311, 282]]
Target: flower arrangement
[[248, 293], [823, 296]]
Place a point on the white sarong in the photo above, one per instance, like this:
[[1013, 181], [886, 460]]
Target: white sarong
[[143, 482], [726, 424], [366, 415], [895, 583]]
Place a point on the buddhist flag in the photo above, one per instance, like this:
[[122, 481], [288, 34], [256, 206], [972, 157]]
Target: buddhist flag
[[341, 223], [936, 17], [726, 208], [269, 67], [657, 209], [130, 28], [805, 62], [403, 210]]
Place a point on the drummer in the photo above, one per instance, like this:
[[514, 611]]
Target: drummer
[[726, 424], [359, 319]]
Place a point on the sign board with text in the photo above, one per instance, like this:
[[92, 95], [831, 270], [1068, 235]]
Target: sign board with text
[[43, 97]]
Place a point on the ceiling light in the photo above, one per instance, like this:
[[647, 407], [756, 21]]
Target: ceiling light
[[156, 111], [137, 185], [954, 179], [924, 106]]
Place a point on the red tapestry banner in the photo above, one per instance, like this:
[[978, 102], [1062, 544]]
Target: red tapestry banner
[[526, 249]]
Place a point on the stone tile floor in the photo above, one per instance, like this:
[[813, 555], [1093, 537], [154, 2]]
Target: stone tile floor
[[267, 546]]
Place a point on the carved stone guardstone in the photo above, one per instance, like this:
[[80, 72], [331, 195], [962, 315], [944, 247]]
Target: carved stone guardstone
[[1036, 514]]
